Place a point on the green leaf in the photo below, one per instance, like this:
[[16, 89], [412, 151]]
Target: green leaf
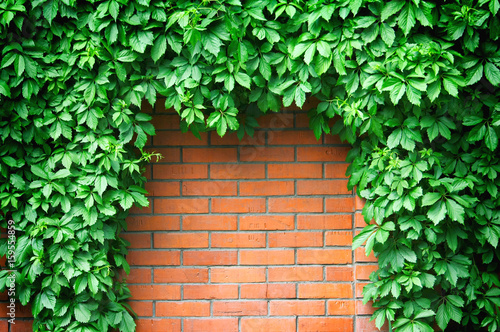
[[491, 138], [387, 33], [406, 18], [474, 74], [442, 316], [82, 313], [93, 283], [391, 8], [451, 87], [243, 80], [4, 89], [437, 212], [363, 236], [211, 43], [397, 92], [455, 211], [394, 138], [430, 198], [492, 73], [159, 48], [50, 10]]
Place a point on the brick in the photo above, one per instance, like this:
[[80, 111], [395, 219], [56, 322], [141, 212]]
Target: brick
[[209, 223], [138, 276], [359, 220], [336, 171], [294, 204], [238, 205], [217, 155], [176, 138], [154, 325], [258, 138], [160, 107], [338, 238], [322, 187], [267, 188], [301, 120], [237, 274], [181, 205], [155, 292], [19, 310], [182, 240], [267, 257], [210, 257], [268, 291], [261, 153], [325, 324], [209, 188], [332, 139], [153, 223], [359, 202], [276, 120], [363, 271], [359, 288], [324, 221], [146, 107], [268, 324], [142, 210], [360, 256], [180, 275], [211, 325], [295, 171], [182, 309], [295, 273], [324, 256], [339, 204], [339, 273], [292, 137], [310, 103], [21, 325], [341, 308], [363, 324], [322, 153], [169, 155], [267, 222], [142, 308], [207, 292], [237, 171], [166, 121], [137, 240], [296, 308], [179, 172], [238, 240], [295, 239], [364, 309], [163, 188], [153, 257], [4, 326], [240, 308], [325, 291]]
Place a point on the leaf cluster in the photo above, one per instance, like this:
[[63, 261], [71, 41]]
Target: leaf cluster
[[414, 82]]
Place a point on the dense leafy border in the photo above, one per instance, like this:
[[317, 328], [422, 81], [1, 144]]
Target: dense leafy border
[[414, 82]]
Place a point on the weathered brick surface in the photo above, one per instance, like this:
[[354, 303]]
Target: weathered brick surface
[[251, 235]]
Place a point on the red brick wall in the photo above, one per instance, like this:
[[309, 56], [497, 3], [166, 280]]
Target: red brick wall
[[248, 236]]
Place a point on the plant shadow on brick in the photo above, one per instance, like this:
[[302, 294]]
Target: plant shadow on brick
[[416, 85]]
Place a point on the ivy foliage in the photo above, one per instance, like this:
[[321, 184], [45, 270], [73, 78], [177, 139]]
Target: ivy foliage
[[415, 83]]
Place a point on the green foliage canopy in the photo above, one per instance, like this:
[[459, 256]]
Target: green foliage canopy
[[415, 83]]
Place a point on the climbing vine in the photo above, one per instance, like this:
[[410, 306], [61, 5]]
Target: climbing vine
[[415, 84]]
